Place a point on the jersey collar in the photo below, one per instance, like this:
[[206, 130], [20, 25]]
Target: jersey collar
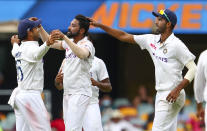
[[168, 40], [84, 39], [30, 42]]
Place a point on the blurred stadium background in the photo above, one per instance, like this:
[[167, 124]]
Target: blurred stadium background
[[131, 70]]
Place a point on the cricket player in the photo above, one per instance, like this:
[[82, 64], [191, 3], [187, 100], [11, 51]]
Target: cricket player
[[169, 55], [76, 81], [200, 86], [100, 80], [30, 111]]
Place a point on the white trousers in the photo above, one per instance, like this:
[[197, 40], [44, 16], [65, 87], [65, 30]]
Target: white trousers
[[92, 118], [30, 112], [74, 108], [165, 113]]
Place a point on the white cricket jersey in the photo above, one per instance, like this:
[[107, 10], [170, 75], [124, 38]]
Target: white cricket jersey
[[169, 59], [29, 64], [98, 72], [76, 71], [200, 82]]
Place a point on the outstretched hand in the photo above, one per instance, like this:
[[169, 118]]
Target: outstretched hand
[[94, 22], [15, 39]]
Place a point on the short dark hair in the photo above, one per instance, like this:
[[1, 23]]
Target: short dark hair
[[83, 23]]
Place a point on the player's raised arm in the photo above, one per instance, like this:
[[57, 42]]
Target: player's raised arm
[[15, 41], [80, 52], [45, 36], [57, 44], [120, 35]]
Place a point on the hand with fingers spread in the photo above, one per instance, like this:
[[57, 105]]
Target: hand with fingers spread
[[94, 22], [15, 39], [200, 112], [173, 95]]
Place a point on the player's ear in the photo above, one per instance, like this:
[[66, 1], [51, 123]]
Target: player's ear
[[82, 30], [169, 24], [29, 34]]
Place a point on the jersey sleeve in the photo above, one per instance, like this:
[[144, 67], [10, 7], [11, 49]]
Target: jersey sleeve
[[183, 54], [38, 52], [64, 44], [15, 49], [102, 72], [200, 79], [89, 46], [141, 40]]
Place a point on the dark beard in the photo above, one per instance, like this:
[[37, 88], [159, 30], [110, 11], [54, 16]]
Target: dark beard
[[72, 35], [161, 30], [36, 38]]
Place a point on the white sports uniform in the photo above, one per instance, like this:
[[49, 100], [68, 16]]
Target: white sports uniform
[[77, 85], [92, 119], [200, 82], [169, 60], [30, 111]]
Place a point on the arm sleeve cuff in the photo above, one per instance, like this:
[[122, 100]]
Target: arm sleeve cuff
[[191, 70]]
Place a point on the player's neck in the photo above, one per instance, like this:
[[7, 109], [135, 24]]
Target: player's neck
[[29, 39], [78, 38], [164, 36]]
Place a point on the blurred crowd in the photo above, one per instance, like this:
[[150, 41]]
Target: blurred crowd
[[121, 114]]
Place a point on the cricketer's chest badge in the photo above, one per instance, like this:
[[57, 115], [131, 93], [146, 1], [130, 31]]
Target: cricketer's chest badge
[[165, 51]]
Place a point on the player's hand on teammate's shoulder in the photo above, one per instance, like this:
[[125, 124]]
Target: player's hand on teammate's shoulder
[[15, 39]]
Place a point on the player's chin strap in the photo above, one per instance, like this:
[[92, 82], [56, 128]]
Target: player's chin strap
[[12, 97], [191, 70]]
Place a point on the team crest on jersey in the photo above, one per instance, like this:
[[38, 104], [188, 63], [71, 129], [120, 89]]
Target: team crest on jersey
[[165, 51]]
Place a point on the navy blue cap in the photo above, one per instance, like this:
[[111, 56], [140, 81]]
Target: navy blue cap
[[26, 25], [167, 14]]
